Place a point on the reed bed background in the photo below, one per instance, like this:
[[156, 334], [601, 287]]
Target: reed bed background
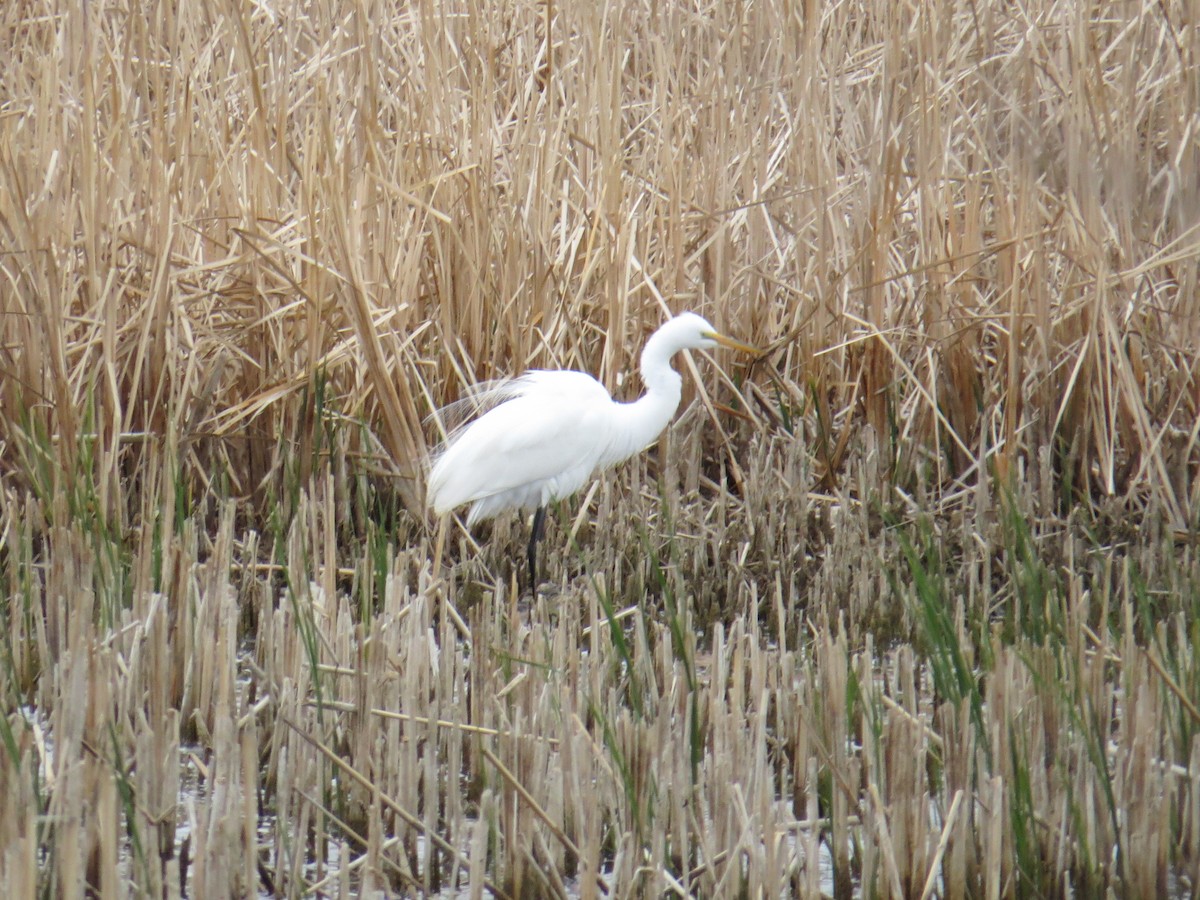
[[914, 594]]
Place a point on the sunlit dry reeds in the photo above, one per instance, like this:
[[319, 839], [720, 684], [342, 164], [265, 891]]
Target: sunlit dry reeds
[[906, 607]]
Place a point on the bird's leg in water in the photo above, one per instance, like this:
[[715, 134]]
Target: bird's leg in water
[[536, 531]]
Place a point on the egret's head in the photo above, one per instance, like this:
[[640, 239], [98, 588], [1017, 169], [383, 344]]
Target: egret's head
[[695, 331], [687, 331]]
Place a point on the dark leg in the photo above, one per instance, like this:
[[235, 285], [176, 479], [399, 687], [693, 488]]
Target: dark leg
[[535, 534]]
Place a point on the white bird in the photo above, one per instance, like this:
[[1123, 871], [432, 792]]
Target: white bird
[[548, 432]]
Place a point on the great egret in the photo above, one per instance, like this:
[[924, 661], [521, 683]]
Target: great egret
[[549, 431]]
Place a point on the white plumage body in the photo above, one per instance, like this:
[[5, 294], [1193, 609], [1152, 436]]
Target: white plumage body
[[543, 442], [548, 432]]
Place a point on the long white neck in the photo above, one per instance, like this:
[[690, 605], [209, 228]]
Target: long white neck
[[645, 418]]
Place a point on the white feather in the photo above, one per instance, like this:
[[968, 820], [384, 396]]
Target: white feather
[[543, 436]]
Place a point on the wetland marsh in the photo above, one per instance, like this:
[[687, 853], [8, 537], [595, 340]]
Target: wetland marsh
[[906, 607]]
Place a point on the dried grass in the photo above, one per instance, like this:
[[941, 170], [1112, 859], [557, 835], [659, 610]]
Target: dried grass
[[927, 600]]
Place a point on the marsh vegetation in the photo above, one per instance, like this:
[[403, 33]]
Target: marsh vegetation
[[919, 587]]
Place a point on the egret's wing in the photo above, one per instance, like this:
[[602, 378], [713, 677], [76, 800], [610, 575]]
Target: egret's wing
[[552, 423], [477, 400], [458, 415]]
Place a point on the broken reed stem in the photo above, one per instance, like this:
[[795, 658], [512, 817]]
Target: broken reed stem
[[1184, 700], [537, 809], [423, 720], [408, 818], [942, 844], [356, 864]]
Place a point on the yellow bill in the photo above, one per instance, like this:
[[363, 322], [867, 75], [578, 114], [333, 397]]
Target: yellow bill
[[732, 344]]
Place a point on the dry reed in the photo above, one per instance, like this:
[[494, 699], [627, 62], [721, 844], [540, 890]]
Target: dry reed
[[925, 607]]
